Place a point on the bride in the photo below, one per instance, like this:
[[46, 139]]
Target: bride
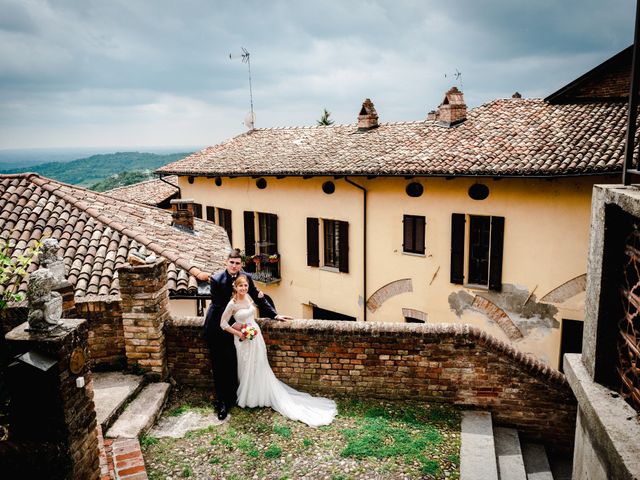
[[258, 386]]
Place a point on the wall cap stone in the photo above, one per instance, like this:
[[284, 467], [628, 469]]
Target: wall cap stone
[[613, 425]]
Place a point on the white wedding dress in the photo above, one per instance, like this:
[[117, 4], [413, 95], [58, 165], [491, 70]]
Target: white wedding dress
[[259, 387]]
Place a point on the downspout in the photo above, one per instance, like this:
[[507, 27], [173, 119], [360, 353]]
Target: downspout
[[364, 244], [161, 177]]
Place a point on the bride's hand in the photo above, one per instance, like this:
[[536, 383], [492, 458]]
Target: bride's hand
[[282, 318]]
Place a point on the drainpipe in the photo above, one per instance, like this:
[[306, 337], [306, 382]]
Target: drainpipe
[[161, 177], [364, 243]]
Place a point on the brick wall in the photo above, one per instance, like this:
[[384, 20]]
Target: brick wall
[[145, 309], [456, 364], [48, 410], [187, 353], [106, 337]]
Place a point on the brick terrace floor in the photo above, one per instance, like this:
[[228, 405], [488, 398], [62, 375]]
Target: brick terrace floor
[[120, 458]]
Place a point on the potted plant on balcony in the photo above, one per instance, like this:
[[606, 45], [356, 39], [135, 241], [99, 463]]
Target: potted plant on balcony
[[274, 258]]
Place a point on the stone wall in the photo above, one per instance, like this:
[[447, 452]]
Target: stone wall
[[456, 364]]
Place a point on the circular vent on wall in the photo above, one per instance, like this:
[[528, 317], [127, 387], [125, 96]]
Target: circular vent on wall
[[261, 183], [218, 181], [477, 191], [328, 187], [415, 189]]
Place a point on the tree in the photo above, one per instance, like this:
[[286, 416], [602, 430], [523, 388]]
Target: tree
[[324, 119], [13, 270]]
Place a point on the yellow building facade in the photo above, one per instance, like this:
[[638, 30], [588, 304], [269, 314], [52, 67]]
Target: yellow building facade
[[545, 238]]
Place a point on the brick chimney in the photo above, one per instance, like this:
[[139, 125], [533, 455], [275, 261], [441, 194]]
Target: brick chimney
[[182, 213], [452, 110], [368, 117]]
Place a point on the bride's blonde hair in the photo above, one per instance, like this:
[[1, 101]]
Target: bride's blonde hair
[[235, 283]]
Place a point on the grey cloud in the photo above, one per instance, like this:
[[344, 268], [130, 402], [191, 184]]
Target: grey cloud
[[70, 59]]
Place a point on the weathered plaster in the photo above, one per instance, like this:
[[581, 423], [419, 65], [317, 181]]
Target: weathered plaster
[[522, 308]]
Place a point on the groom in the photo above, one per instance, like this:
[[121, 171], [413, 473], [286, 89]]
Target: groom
[[222, 351]]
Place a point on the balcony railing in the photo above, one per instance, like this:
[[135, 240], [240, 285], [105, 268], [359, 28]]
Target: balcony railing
[[263, 268]]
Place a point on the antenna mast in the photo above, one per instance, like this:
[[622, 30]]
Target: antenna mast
[[245, 56]]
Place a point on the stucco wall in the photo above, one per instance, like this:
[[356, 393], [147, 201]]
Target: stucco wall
[[545, 246], [456, 364]]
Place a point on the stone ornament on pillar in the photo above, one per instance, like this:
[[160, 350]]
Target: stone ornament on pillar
[[45, 306], [50, 259]]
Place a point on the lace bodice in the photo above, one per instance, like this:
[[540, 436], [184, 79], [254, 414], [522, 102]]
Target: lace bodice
[[243, 312]]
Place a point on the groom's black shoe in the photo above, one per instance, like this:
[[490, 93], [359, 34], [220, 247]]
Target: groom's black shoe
[[222, 411]]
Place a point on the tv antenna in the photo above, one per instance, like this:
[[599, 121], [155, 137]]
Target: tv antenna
[[250, 118], [457, 76]]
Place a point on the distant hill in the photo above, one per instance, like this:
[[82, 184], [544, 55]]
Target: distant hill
[[97, 168], [122, 180]]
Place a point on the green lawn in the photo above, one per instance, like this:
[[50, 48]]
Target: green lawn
[[368, 439]]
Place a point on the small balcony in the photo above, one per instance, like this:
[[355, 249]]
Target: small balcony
[[264, 268]]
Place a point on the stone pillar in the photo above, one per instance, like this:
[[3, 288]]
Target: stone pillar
[[52, 414], [145, 308]]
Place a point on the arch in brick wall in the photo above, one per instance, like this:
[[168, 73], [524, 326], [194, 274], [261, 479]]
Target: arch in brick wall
[[566, 290], [495, 313], [404, 285], [413, 313]]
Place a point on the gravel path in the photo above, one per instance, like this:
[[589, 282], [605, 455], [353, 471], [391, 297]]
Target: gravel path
[[368, 440]]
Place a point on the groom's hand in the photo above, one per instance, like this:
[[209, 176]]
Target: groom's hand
[[282, 318]]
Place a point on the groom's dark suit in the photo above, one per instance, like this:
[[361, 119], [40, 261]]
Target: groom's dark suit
[[221, 348]]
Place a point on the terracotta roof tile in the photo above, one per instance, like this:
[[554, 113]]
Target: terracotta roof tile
[[509, 137], [97, 232], [151, 192]]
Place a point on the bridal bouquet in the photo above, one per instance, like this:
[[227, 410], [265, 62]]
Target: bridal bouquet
[[249, 331]]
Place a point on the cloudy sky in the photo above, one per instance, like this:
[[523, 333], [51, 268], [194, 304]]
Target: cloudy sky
[[78, 73]]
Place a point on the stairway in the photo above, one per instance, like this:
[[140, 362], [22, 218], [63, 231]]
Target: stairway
[[125, 406], [489, 453]]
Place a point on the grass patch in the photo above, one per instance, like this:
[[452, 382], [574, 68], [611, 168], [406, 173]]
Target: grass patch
[[247, 445], [148, 440], [187, 407], [307, 442], [430, 467], [273, 451], [385, 433], [187, 471], [282, 430]]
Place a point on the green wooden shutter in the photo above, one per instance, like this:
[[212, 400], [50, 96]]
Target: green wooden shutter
[[313, 250], [457, 247], [420, 234], [495, 255], [211, 214], [343, 246], [249, 234]]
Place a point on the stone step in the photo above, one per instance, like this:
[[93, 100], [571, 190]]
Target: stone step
[[508, 454], [477, 450], [111, 392], [536, 462], [562, 467], [141, 413]]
